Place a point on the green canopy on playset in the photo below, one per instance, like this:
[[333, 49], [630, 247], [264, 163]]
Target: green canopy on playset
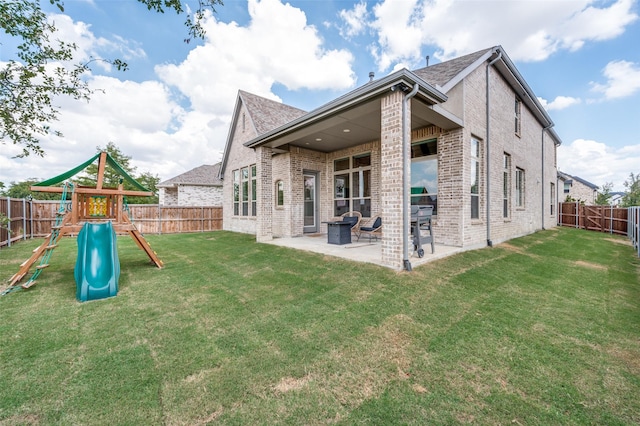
[[113, 163]]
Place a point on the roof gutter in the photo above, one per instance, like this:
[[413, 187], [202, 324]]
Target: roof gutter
[[542, 176], [488, 144], [406, 183]]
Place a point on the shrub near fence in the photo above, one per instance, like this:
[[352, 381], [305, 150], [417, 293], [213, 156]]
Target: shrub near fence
[[33, 219]]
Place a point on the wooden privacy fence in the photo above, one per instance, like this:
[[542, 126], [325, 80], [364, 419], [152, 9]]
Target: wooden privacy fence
[[609, 219], [29, 219]]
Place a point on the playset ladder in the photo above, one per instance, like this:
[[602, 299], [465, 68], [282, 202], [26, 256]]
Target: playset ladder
[[142, 242], [45, 249]]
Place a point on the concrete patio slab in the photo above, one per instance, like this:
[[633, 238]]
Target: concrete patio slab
[[360, 251]]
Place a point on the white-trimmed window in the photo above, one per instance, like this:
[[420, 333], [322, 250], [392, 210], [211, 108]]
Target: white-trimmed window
[[520, 187], [475, 178], [552, 198], [245, 191], [279, 193], [424, 173], [352, 185], [518, 116], [506, 184]]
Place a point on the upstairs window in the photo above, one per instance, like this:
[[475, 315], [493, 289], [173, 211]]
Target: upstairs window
[[518, 116]]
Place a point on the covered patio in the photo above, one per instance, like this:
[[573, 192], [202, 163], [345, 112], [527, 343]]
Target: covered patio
[[360, 251]]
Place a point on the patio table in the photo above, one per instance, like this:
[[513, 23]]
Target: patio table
[[339, 232]]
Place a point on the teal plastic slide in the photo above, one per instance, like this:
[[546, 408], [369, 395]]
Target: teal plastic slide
[[97, 268]]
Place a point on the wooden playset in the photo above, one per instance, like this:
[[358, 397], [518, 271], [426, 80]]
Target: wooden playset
[[89, 205]]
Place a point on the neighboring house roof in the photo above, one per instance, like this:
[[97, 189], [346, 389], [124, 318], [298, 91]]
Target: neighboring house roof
[[569, 178], [587, 183], [205, 175]]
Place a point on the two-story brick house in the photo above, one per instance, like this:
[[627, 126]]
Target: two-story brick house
[[468, 135], [575, 188]]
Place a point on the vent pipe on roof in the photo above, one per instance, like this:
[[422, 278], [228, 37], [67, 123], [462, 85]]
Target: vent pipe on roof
[[427, 60], [371, 75]]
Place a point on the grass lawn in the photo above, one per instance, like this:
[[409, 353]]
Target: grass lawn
[[542, 330]]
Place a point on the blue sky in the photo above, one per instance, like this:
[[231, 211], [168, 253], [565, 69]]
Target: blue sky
[[171, 110]]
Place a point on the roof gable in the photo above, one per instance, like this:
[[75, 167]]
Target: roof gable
[[267, 114], [442, 73], [205, 175]]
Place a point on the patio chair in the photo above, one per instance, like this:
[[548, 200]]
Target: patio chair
[[353, 217], [372, 228]]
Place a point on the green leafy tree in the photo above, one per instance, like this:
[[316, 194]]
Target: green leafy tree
[[23, 190], [112, 178], [604, 195], [633, 191], [39, 71], [150, 182]]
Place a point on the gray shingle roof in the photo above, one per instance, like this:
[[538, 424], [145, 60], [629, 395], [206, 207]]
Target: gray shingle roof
[[440, 74], [205, 175], [267, 114]]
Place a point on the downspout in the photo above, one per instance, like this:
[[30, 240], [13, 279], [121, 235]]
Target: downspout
[[488, 201], [542, 178], [406, 184]]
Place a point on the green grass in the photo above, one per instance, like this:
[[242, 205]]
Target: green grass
[[542, 330]]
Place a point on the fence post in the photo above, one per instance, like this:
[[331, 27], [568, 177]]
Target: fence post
[[24, 219], [610, 219], [9, 223], [560, 214], [31, 218], [159, 220]]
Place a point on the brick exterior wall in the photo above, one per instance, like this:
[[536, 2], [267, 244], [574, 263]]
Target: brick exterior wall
[[264, 230], [238, 156], [391, 183], [579, 192], [525, 151], [453, 224], [191, 195]]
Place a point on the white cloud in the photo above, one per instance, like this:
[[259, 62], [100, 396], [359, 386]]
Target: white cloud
[[151, 122], [88, 46], [599, 163], [529, 30], [623, 79], [398, 29], [560, 102], [354, 20]]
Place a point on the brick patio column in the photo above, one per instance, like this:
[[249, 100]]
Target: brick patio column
[[264, 182], [391, 177]]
